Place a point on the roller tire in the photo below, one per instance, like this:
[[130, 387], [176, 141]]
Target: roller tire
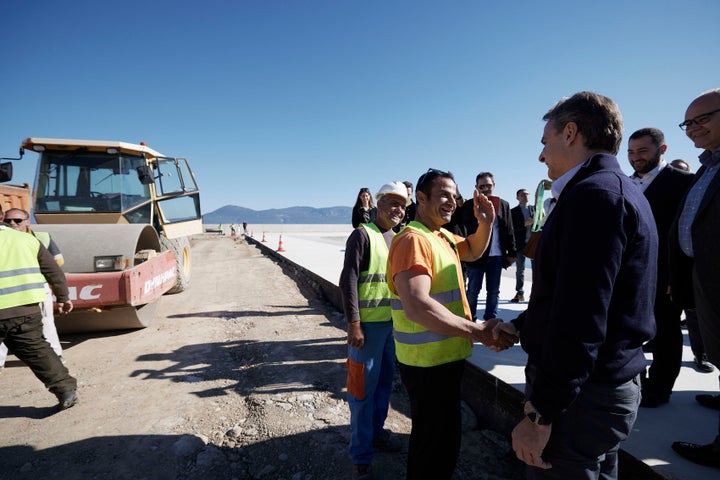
[[181, 249]]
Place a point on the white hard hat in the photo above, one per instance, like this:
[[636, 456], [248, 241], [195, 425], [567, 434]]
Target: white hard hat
[[394, 188]]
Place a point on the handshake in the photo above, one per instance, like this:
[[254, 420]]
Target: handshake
[[495, 334]]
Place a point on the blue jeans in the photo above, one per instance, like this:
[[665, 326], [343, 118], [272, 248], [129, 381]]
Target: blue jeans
[[586, 437], [367, 415], [492, 270]]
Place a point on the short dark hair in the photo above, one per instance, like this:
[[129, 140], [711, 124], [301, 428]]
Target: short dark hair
[[657, 136], [483, 175], [426, 180], [408, 184], [521, 190], [597, 117], [680, 164]]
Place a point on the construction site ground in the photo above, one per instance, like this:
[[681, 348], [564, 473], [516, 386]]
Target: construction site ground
[[240, 377]]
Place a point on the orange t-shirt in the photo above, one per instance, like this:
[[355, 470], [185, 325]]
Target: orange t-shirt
[[410, 250]]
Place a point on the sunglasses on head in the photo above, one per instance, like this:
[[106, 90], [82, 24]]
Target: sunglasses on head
[[423, 178]]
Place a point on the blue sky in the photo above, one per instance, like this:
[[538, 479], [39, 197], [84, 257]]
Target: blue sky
[[285, 103]]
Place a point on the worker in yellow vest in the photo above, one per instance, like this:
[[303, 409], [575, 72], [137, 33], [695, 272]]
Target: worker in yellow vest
[[371, 350], [19, 220], [25, 265], [433, 328]]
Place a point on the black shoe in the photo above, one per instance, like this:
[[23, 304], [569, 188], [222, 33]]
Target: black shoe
[[362, 472], [651, 399], [387, 442], [518, 298], [701, 454], [702, 365], [709, 401], [67, 399]]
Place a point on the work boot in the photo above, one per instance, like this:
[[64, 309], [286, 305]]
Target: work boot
[[387, 442], [67, 399], [518, 298]]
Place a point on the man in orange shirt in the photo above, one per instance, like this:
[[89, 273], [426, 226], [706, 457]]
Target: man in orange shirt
[[431, 320]]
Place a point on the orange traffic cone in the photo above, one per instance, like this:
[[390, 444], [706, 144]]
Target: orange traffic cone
[[263, 239], [280, 246]]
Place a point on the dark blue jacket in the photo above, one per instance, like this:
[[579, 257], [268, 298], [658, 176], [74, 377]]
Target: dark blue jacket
[[591, 306]]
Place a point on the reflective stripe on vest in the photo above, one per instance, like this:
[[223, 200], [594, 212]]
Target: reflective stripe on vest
[[414, 344], [373, 292], [21, 282]]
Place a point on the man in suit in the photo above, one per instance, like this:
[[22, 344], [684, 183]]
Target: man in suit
[[694, 252], [522, 219], [499, 254], [591, 306], [664, 187]]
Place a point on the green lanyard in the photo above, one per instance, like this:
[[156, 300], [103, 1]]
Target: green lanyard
[[538, 217]]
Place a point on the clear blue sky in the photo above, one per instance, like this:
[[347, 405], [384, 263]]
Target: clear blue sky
[[285, 103]]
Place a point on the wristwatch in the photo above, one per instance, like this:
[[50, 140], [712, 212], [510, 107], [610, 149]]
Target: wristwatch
[[534, 416]]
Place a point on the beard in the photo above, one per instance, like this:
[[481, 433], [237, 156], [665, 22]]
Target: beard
[[650, 165]]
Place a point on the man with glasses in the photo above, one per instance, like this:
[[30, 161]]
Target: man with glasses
[[431, 320], [694, 252], [591, 307], [19, 220], [499, 254], [25, 264]]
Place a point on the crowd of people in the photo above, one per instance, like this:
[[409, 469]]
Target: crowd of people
[[606, 287]]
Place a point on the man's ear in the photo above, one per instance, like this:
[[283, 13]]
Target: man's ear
[[570, 132], [662, 149]]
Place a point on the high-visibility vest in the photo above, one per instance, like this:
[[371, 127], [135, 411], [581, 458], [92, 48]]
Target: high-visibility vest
[[415, 345], [373, 292], [44, 238], [21, 282]]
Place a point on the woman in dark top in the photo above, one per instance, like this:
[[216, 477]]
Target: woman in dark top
[[364, 210]]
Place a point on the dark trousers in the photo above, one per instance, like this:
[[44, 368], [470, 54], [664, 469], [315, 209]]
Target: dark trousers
[[436, 421], [585, 439], [708, 312], [667, 349], [23, 337]]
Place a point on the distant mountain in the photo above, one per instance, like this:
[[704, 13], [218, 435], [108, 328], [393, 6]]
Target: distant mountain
[[310, 215]]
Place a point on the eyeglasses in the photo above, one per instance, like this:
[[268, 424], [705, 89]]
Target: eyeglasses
[[699, 120], [17, 221], [422, 180]]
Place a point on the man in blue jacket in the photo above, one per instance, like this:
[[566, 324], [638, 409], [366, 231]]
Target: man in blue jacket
[[591, 306]]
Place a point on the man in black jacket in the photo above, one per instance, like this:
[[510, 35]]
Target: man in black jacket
[[499, 254], [694, 252], [591, 306], [664, 187], [522, 218]]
